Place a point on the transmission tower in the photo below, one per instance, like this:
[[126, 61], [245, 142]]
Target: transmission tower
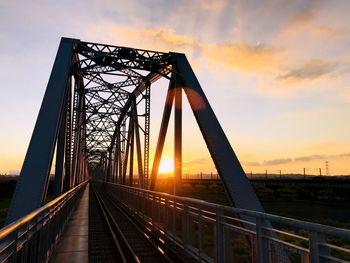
[[326, 163]]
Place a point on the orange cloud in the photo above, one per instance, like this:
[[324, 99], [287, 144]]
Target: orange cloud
[[244, 57], [327, 31], [272, 64]]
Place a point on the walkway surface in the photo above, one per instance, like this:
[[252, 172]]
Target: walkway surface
[[73, 246]]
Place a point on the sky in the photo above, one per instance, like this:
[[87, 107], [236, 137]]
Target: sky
[[276, 72]]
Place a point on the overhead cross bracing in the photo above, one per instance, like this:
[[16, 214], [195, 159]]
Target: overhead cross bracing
[[112, 77], [95, 120]]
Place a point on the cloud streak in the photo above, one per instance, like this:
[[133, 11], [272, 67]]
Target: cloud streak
[[308, 158], [239, 56], [312, 69]]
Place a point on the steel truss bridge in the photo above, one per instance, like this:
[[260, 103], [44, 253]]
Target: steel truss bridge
[[94, 123]]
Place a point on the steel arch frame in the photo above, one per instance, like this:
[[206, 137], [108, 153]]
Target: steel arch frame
[[84, 116]]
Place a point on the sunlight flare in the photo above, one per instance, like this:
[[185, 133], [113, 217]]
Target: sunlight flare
[[166, 165]]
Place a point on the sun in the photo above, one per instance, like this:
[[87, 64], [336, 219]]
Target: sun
[[166, 165]]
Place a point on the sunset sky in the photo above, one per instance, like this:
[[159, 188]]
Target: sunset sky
[[276, 72]]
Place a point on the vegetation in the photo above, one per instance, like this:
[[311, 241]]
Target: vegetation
[[7, 188]]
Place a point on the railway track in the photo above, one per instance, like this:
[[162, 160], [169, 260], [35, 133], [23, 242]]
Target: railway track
[[115, 237], [102, 246]]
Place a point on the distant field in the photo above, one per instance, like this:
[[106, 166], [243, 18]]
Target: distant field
[[4, 204], [7, 188], [330, 212]]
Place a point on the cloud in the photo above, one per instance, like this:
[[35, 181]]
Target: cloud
[[197, 162], [238, 56], [308, 158], [328, 31], [278, 161], [166, 38], [306, 17], [244, 57], [252, 164], [316, 157], [301, 17], [312, 69], [198, 165]]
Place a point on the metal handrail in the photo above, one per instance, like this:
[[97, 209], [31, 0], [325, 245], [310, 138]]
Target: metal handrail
[[32, 237], [154, 208]]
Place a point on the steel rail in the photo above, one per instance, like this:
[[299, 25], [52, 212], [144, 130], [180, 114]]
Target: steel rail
[[125, 252], [161, 253], [155, 241]]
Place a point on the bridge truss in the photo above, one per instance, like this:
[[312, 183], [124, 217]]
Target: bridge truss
[[95, 119]]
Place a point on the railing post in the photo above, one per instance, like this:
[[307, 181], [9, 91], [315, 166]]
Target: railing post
[[262, 242], [166, 217], [254, 249], [185, 226], [315, 239], [200, 234], [174, 218], [14, 258], [154, 212], [220, 238]]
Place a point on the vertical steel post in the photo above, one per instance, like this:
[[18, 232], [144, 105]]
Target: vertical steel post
[[60, 150], [219, 238], [77, 129], [162, 133], [109, 166], [126, 154], [121, 154], [118, 175], [138, 146], [116, 159], [68, 153], [131, 143], [178, 140], [185, 227], [147, 98], [262, 243], [316, 250]]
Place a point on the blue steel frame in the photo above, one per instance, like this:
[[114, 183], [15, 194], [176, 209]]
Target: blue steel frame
[[55, 125]]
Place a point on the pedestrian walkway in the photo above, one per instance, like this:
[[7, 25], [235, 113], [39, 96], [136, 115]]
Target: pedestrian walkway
[[73, 245]]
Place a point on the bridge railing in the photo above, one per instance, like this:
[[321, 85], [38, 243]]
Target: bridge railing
[[216, 233], [33, 237]]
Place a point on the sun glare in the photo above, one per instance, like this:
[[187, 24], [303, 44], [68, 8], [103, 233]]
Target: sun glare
[[166, 165]]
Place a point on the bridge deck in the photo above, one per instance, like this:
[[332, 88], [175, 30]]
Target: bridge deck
[[73, 245]]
